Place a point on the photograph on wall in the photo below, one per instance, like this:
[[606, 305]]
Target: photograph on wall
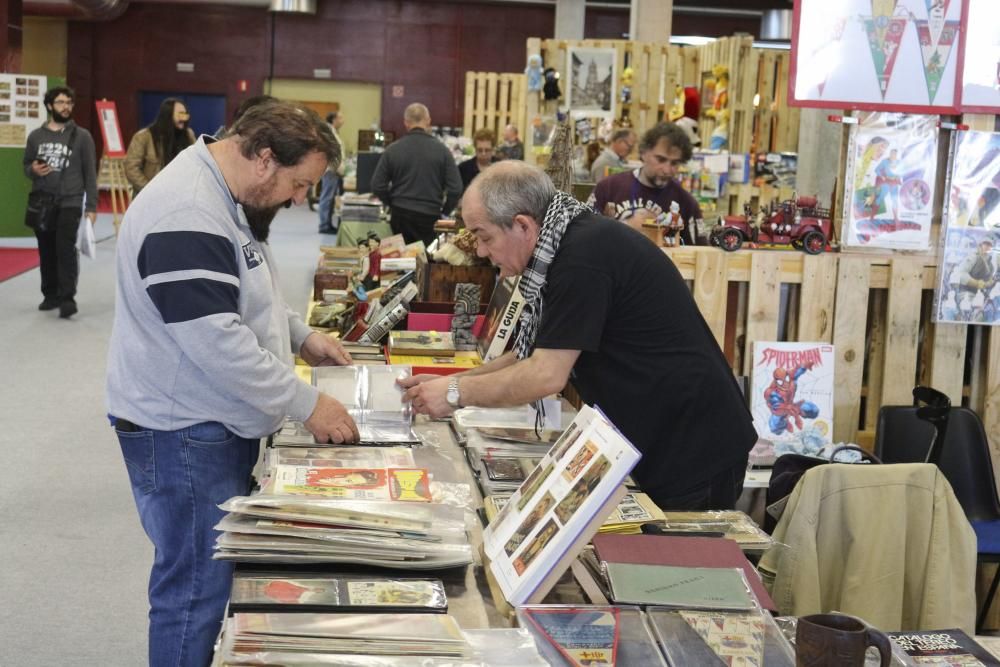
[[591, 82], [981, 58], [967, 289], [792, 395], [899, 55], [891, 170], [22, 107]]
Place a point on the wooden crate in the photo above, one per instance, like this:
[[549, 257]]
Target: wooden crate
[[494, 101], [873, 308], [441, 278]]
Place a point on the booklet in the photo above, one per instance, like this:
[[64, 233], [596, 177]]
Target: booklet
[[559, 507], [940, 647], [667, 585]]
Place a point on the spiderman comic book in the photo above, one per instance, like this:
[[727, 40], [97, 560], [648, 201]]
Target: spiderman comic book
[[792, 394]]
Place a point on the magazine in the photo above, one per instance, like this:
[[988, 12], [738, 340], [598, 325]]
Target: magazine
[[500, 321], [891, 170], [406, 484], [940, 647], [559, 506]]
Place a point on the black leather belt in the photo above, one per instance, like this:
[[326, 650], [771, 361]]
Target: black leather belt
[[125, 426]]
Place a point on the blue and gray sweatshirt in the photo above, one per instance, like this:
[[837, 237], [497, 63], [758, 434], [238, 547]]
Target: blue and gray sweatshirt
[[74, 168], [201, 332]]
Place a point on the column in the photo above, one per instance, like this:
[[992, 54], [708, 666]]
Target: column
[[650, 20], [569, 19]]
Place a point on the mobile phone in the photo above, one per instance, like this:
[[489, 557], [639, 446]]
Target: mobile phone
[[39, 160]]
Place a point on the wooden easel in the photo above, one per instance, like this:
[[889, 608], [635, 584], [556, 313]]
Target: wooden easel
[[113, 173]]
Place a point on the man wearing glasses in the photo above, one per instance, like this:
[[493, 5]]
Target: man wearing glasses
[[615, 155], [646, 194], [60, 160]]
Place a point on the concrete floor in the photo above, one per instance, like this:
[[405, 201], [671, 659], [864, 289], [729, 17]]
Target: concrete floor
[[74, 560]]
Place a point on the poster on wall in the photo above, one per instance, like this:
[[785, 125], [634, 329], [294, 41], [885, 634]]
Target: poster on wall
[[22, 107], [592, 81], [891, 170], [888, 55], [981, 58], [968, 288], [111, 131]]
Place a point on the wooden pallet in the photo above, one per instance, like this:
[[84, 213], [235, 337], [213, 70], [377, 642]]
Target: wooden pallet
[[873, 308], [494, 101]]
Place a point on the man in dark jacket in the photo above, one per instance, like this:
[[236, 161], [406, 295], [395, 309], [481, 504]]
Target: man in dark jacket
[[417, 178], [59, 158]]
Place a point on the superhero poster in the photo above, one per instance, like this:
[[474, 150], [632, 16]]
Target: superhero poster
[[969, 277], [792, 394], [891, 169]]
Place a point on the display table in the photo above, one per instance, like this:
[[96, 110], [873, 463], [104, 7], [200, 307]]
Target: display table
[[353, 231]]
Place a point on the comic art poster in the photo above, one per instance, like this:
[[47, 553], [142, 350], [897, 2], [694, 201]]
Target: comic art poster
[[967, 279], [898, 55], [891, 168], [792, 392]]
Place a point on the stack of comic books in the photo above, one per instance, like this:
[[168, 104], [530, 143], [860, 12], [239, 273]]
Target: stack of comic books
[[731, 524], [571, 636], [314, 593], [558, 507], [373, 398]]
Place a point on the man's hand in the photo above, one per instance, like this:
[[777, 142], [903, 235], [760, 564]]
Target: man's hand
[[322, 350], [428, 396], [329, 422], [414, 380], [40, 168], [92, 217], [638, 217]]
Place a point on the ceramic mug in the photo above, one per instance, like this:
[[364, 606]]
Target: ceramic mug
[[837, 640]]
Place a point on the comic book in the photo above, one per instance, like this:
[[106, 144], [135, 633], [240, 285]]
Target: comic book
[[891, 170], [940, 647], [408, 484], [968, 287], [792, 394], [305, 593]]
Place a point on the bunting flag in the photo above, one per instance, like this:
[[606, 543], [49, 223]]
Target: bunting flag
[[884, 36], [936, 51]]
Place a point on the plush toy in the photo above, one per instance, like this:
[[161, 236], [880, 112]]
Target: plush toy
[[720, 135], [551, 87], [627, 75], [534, 73], [677, 108], [721, 74]]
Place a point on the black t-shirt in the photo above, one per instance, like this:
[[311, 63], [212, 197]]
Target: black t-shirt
[[648, 359]]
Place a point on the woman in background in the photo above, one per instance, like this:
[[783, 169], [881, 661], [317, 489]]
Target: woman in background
[[152, 148]]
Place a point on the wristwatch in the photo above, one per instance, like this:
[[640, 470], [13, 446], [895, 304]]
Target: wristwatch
[[454, 400]]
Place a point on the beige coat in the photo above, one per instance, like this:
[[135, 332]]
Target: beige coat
[[887, 543], [141, 161]]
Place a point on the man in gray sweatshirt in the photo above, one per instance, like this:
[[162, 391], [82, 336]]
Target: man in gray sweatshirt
[[59, 159], [417, 178], [200, 362]]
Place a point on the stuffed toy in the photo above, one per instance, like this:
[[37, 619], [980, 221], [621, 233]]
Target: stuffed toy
[[627, 75], [534, 73], [551, 87]]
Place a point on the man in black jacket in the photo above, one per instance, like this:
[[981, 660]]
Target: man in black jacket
[[417, 178], [59, 159]]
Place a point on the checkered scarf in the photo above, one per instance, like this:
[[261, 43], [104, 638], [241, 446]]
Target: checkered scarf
[[561, 211]]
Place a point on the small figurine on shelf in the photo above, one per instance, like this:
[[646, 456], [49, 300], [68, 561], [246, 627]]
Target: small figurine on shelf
[[674, 225], [466, 309], [627, 75], [677, 108], [720, 107], [534, 73], [551, 89], [720, 134], [372, 263]]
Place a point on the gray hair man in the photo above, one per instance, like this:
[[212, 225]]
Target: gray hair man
[[614, 155]]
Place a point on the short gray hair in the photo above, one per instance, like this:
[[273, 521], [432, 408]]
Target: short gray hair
[[512, 188], [416, 113], [622, 133]]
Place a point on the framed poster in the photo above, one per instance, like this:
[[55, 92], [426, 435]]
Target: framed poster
[[591, 82], [883, 55], [980, 62], [111, 131], [22, 107], [891, 171], [968, 281]]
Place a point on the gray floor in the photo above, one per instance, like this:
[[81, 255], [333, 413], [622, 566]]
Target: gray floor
[[73, 558]]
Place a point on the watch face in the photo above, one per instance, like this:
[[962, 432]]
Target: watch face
[[452, 395]]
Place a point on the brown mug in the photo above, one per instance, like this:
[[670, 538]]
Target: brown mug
[[837, 640]]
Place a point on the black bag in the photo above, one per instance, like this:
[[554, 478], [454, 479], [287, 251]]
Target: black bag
[[43, 208]]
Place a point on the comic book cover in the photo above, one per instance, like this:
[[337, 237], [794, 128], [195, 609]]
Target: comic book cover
[[582, 636], [792, 393], [891, 169], [968, 289], [411, 484]]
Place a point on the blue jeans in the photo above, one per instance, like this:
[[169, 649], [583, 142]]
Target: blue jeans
[[327, 191], [178, 479]]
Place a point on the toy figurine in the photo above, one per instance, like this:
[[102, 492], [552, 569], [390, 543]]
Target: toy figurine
[[534, 73], [677, 109], [799, 222], [466, 309], [626, 95], [675, 223], [551, 88], [720, 134], [720, 108]]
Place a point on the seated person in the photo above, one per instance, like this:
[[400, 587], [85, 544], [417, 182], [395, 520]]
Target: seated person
[[647, 192], [621, 144], [484, 142]]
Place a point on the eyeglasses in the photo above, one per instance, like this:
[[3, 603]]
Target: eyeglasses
[[63, 103]]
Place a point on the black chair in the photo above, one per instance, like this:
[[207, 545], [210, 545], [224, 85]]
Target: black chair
[[962, 452]]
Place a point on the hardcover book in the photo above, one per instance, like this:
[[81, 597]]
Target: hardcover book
[[940, 647], [422, 343], [666, 585], [792, 393], [501, 319]]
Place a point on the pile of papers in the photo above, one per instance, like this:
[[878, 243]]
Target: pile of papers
[[731, 524]]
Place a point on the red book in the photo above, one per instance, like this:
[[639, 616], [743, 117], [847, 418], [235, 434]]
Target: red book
[[680, 552]]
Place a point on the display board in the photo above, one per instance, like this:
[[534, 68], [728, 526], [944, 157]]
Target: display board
[[889, 55], [111, 130], [22, 107]]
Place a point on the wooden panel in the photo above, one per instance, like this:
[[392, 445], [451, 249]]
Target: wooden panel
[[875, 355], [503, 106], [902, 332], [710, 292], [762, 302], [490, 112], [849, 343], [470, 102], [947, 362], [816, 298]]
